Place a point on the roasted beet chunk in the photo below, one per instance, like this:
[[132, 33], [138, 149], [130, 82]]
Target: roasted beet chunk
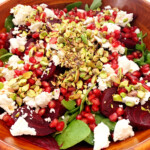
[[139, 116], [34, 121], [108, 106]]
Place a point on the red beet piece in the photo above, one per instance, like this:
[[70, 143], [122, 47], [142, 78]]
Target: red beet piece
[[54, 21], [129, 43], [59, 111], [139, 118], [34, 121], [46, 142], [51, 71], [108, 106]]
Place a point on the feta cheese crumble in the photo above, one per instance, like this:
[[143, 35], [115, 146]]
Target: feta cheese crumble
[[7, 104], [122, 130], [101, 135], [49, 13], [133, 100], [8, 74], [55, 59], [127, 65], [35, 26], [21, 128], [145, 98]]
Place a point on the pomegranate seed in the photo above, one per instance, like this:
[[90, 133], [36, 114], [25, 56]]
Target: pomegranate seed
[[120, 111], [95, 108], [65, 10], [17, 72], [116, 44], [114, 14], [83, 113], [60, 126], [47, 89], [95, 101], [6, 118], [54, 123], [135, 54], [87, 109], [45, 84], [92, 126], [78, 117], [136, 74], [97, 92], [113, 117], [52, 104], [63, 91], [115, 54], [126, 30], [42, 111], [10, 122], [2, 79], [1, 63], [31, 81], [90, 118], [107, 17], [32, 60], [71, 89], [35, 35], [27, 66], [39, 72], [78, 102], [28, 23], [130, 57], [39, 54], [122, 90], [61, 98], [91, 97], [90, 93], [85, 120]]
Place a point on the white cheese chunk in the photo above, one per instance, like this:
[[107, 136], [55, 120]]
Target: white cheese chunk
[[133, 100], [43, 99], [36, 26], [7, 104], [8, 74], [145, 98], [21, 128], [123, 18], [122, 130], [49, 13], [21, 12], [13, 62], [120, 49], [30, 102], [127, 65], [101, 135], [56, 60], [17, 42]]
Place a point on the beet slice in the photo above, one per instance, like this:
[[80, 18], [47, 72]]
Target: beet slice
[[129, 43], [34, 121], [51, 71], [107, 102], [59, 111], [31, 40], [46, 142], [139, 118]]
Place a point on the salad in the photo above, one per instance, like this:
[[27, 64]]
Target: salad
[[73, 75]]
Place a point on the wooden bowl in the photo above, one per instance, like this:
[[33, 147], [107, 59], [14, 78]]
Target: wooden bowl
[[141, 9]]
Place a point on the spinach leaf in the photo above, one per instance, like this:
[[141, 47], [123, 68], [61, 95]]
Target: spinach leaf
[[87, 7], [76, 132], [110, 124], [73, 110], [8, 23], [73, 116], [99, 118], [73, 5], [68, 104], [96, 4], [90, 138], [4, 55]]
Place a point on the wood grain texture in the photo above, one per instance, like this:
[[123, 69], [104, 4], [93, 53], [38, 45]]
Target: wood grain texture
[[141, 8]]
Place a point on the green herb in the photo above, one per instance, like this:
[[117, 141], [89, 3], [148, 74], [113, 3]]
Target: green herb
[[99, 118], [85, 96], [4, 55], [74, 110], [110, 124], [8, 23], [76, 132], [73, 5], [87, 7], [68, 104], [73, 116], [96, 4], [90, 138]]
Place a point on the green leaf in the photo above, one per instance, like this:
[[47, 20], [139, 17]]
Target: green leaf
[[68, 104], [3, 51], [141, 47], [84, 98], [8, 23], [76, 132], [73, 116], [99, 118], [1, 85], [148, 57], [111, 125], [90, 138], [87, 7], [73, 5], [139, 61], [74, 110], [96, 4], [5, 57]]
